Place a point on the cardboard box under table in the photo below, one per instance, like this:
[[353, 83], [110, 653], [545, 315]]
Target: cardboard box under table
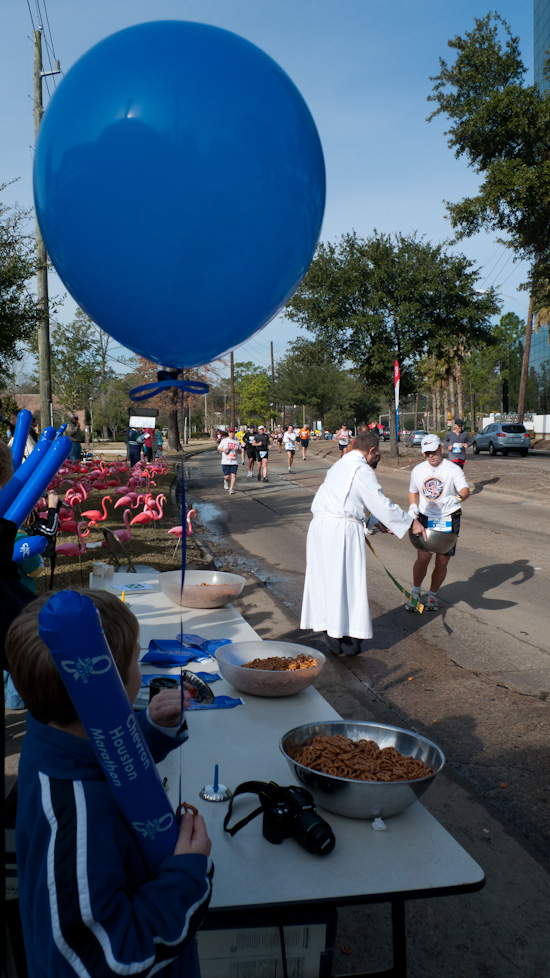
[[257, 882]]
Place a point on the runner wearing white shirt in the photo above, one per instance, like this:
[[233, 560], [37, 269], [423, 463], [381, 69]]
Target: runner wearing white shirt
[[229, 447], [289, 441], [343, 436], [436, 492]]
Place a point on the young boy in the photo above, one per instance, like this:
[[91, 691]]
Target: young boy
[[88, 904]]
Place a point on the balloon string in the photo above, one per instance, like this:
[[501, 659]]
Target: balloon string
[[166, 379], [183, 504]]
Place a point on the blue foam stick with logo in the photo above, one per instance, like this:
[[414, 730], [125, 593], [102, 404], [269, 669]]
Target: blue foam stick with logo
[[87, 668], [28, 548]]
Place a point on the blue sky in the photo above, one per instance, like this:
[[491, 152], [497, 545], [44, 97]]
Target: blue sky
[[363, 67]]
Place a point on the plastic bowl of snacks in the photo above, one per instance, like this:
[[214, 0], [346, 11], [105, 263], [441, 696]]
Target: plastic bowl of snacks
[[411, 761], [201, 589], [269, 668]]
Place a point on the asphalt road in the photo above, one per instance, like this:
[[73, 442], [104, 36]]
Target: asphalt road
[[475, 678]]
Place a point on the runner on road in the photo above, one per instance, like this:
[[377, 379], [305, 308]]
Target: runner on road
[[290, 445], [240, 438], [304, 439], [248, 441], [343, 436], [261, 444], [436, 492], [456, 443], [229, 447]]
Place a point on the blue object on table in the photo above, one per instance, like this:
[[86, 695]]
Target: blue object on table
[[159, 654], [220, 703], [207, 677], [205, 644]]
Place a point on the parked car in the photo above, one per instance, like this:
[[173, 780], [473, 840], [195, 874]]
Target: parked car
[[384, 433], [414, 438], [502, 437]]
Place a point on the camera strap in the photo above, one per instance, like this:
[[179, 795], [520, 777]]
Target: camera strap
[[247, 787]]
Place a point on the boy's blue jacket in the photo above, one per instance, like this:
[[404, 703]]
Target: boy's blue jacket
[[88, 904]]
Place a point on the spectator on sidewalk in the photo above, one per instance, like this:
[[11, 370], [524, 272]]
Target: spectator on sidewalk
[[75, 433]]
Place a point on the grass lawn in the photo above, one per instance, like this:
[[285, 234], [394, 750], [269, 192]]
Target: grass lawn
[[150, 544]]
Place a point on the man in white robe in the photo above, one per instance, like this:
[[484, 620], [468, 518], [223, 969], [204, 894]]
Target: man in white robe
[[335, 588]]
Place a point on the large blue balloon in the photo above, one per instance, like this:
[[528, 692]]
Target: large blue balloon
[[179, 184]]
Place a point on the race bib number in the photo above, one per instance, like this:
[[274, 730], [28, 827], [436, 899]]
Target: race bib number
[[443, 524], [262, 454], [457, 448]]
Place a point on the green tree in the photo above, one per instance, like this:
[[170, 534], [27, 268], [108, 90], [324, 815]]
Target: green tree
[[255, 394], [492, 374], [376, 300], [501, 126], [79, 361], [308, 375], [19, 312]]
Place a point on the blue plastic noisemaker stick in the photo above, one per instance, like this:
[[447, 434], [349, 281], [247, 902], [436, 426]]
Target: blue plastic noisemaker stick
[[94, 684]]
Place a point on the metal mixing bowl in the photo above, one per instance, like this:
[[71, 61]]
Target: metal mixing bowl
[[363, 799], [437, 542], [266, 682], [202, 589]]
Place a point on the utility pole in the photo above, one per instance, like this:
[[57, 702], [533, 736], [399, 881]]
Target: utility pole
[[273, 381], [232, 389], [44, 359]]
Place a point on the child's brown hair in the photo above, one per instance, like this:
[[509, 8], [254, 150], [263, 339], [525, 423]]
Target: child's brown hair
[[33, 669]]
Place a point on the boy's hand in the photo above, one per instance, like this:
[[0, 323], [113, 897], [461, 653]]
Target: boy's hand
[[193, 837], [165, 707]]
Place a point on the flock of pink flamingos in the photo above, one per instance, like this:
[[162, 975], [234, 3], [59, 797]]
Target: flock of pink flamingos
[[85, 477]]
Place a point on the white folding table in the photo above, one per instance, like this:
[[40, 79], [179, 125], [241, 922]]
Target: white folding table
[[415, 857]]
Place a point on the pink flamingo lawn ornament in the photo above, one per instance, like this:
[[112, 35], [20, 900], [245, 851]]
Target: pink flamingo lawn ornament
[[177, 531], [96, 515], [75, 549], [124, 535], [153, 511], [156, 505]]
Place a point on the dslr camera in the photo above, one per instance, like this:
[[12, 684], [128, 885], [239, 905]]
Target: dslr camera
[[288, 813]]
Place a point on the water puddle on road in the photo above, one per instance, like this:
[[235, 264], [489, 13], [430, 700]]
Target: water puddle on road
[[211, 518]]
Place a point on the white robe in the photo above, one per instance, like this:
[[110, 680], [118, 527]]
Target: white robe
[[335, 587]]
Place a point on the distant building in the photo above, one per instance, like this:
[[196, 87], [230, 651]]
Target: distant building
[[541, 40]]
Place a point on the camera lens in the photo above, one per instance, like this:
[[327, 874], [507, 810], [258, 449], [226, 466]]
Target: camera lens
[[161, 682], [314, 834]]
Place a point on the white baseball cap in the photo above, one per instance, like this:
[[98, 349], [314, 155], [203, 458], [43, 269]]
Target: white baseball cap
[[430, 443]]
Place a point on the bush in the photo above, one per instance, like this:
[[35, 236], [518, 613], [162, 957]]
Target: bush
[[200, 434]]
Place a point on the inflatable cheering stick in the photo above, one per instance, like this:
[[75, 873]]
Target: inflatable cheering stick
[[88, 670], [20, 435], [28, 547]]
